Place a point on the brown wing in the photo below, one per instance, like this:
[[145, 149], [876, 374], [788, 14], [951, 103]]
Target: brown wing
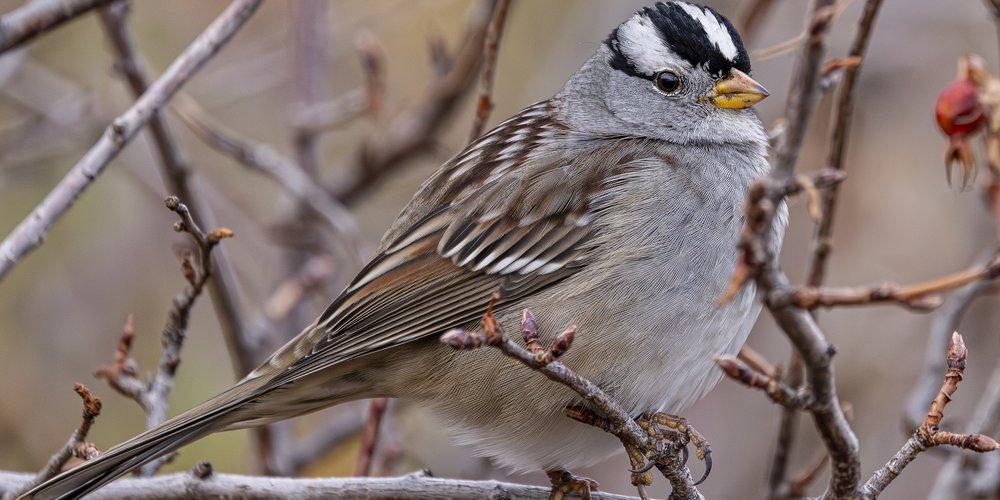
[[516, 220]]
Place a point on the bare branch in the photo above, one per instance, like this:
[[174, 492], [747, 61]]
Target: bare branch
[[840, 131], [289, 175], [821, 244], [775, 389], [373, 61], [314, 274], [805, 89], [369, 438], [763, 198], [490, 46], [919, 296], [153, 397], [176, 176], [413, 131], [752, 18], [929, 434], [77, 446], [976, 476], [40, 16], [186, 486], [29, 234], [334, 112], [946, 320], [797, 487], [308, 74]]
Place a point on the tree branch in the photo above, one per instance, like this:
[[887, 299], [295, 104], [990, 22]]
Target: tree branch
[[413, 131], [289, 175], [840, 132], [40, 16], [176, 175], [30, 233], [186, 486], [919, 296], [77, 446], [929, 434], [491, 45], [153, 396]]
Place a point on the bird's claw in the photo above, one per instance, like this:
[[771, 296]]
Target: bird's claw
[[680, 433], [564, 482]]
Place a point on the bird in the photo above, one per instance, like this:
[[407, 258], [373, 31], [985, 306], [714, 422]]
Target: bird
[[614, 205]]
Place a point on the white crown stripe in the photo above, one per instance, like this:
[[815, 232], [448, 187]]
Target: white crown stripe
[[639, 40], [715, 30]]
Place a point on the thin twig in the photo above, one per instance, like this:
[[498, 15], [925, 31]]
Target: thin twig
[[307, 450], [797, 487], [153, 396], [753, 16], [805, 90], [787, 429], [757, 362], [490, 48], [373, 62], [369, 437], [30, 233], [77, 446], [976, 476], [40, 16], [333, 113], [840, 132], [763, 198], [264, 159], [775, 389], [413, 131], [929, 434], [919, 296], [176, 176], [788, 46], [314, 275], [308, 74]]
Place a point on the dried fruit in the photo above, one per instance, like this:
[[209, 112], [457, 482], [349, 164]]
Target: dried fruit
[[960, 113]]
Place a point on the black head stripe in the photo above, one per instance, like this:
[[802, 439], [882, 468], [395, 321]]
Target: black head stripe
[[685, 36], [619, 61]]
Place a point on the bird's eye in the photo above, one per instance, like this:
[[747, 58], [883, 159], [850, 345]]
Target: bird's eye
[[667, 81]]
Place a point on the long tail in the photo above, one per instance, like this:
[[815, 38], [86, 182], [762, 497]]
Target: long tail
[[206, 418]]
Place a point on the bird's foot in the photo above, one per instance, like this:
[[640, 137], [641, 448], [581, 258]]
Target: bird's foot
[[564, 482], [664, 427]]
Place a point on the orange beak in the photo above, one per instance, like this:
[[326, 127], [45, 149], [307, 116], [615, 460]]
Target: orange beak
[[736, 91]]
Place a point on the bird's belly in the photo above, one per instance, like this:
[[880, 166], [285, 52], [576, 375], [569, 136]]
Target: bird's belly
[[656, 355]]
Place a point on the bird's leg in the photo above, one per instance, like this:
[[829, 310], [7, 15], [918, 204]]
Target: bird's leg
[[680, 432], [564, 482]]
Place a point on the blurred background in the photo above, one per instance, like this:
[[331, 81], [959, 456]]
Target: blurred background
[[114, 253]]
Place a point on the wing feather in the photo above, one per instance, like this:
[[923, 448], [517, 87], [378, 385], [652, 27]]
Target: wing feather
[[469, 234]]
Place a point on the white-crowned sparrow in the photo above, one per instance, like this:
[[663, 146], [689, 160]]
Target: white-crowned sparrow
[[614, 205]]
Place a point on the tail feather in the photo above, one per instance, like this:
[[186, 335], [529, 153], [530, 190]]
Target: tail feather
[[209, 417]]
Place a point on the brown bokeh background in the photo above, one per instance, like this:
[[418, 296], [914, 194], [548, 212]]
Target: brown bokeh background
[[114, 253]]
